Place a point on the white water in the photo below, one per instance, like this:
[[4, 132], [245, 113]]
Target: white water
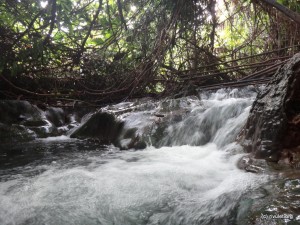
[[182, 184]]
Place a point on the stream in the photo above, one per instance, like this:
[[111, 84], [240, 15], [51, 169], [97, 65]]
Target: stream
[[189, 177]]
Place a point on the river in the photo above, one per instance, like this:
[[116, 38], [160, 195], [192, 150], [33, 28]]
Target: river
[[190, 177]]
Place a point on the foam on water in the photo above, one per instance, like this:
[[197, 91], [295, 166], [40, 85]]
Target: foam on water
[[170, 185], [182, 184], [218, 118], [56, 138]]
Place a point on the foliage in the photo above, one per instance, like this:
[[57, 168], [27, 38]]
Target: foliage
[[134, 45]]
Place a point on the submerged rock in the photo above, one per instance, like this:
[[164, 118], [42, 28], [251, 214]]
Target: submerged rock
[[273, 126]]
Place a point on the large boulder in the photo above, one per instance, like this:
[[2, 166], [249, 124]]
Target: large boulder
[[102, 126], [107, 129], [20, 112], [272, 131]]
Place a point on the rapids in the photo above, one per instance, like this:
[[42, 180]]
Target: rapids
[[190, 178]]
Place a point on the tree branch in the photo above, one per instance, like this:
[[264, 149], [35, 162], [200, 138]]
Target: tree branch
[[121, 13], [82, 47], [286, 11], [53, 17]]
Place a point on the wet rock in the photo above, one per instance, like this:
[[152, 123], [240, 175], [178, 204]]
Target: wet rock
[[15, 133], [107, 129], [75, 111], [146, 121], [46, 131], [134, 143], [273, 124], [130, 139], [251, 165], [276, 203], [20, 120], [102, 126], [20, 112], [56, 116]]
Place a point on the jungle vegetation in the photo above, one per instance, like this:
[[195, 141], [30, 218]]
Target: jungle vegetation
[[109, 50]]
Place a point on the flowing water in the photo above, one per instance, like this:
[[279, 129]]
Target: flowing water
[[191, 176]]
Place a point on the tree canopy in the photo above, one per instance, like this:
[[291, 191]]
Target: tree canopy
[[112, 49]]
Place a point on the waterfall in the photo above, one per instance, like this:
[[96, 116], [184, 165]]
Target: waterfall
[[190, 177]]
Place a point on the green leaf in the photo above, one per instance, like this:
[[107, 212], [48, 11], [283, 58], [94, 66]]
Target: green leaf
[[97, 41], [107, 35]]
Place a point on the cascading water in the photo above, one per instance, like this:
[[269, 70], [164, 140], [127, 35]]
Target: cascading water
[[191, 178]]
